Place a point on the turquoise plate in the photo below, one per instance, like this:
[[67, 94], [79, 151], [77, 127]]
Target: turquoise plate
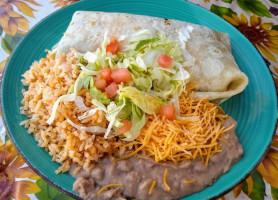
[[254, 109]]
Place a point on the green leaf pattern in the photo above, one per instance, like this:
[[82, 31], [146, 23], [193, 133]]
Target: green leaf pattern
[[9, 42], [274, 193], [220, 11], [254, 6], [227, 1], [274, 1], [49, 193], [275, 27], [258, 191]]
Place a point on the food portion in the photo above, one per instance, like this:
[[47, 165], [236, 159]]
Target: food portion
[[144, 178], [125, 108], [206, 53]]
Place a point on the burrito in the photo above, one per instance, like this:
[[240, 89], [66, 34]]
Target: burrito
[[207, 53]]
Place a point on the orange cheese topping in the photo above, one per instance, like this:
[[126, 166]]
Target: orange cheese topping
[[189, 181], [108, 186], [152, 187], [167, 187], [195, 135]]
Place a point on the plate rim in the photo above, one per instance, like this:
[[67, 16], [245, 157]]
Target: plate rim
[[75, 196]]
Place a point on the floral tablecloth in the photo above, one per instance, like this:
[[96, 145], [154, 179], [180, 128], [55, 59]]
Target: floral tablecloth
[[256, 19]]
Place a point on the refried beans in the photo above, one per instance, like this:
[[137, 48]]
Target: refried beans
[[134, 176]]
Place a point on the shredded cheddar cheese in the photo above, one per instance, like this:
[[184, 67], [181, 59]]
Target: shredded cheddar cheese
[[177, 140], [108, 186], [145, 142], [225, 141], [189, 181], [167, 187], [152, 187]]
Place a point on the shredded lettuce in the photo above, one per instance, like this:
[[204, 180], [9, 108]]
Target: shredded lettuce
[[172, 71], [86, 82], [106, 41], [182, 74], [99, 105], [88, 113], [90, 57], [161, 80], [137, 125], [126, 110], [151, 85], [145, 102], [97, 94], [136, 111], [138, 121], [150, 58], [176, 53], [91, 129], [68, 97], [144, 34], [112, 111], [88, 71], [143, 43], [143, 83], [80, 104], [96, 60], [70, 90], [82, 60], [176, 102], [140, 62]]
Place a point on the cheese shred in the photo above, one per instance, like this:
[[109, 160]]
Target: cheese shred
[[152, 187], [178, 140], [108, 186], [189, 181], [167, 187]]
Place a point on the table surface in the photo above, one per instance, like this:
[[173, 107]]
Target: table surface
[[251, 17]]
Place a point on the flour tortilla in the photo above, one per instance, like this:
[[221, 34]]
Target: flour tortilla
[[208, 53]]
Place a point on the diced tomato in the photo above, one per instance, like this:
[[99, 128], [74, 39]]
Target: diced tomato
[[113, 39], [168, 111], [98, 77], [120, 75], [126, 127], [165, 61], [111, 90], [113, 46], [105, 73], [109, 82], [100, 84]]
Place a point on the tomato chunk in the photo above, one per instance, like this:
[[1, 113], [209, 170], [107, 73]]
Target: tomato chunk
[[126, 127], [113, 39], [120, 75], [105, 73], [111, 90], [98, 77], [113, 46], [168, 111], [100, 84], [165, 61]]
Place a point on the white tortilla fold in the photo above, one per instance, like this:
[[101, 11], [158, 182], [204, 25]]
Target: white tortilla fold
[[208, 53]]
